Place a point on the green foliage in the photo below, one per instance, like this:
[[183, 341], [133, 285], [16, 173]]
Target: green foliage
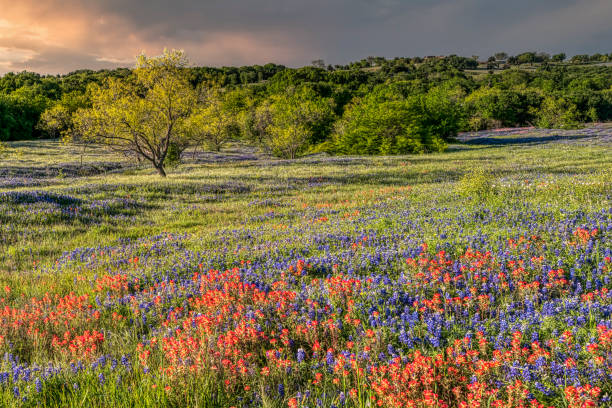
[[383, 226], [291, 123], [558, 57], [173, 156], [146, 116], [256, 121], [19, 113], [216, 121], [453, 94], [56, 121], [557, 112], [494, 107], [385, 122], [477, 184], [444, 111]]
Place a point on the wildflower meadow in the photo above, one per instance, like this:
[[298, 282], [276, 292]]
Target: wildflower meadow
[[478, 277]]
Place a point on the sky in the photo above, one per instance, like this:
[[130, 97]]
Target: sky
[[59, 36]]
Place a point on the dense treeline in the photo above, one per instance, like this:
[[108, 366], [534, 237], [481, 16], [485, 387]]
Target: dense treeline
[[374, 106]]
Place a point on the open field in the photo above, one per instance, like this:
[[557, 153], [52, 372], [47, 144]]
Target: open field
[[326, 281]]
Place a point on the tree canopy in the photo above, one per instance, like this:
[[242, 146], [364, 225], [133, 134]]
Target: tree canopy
[[146, 115]]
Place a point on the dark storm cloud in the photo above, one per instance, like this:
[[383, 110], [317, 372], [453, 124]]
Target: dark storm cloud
[[71, 33]]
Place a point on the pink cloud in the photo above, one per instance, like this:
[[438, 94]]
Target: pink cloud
[[62, 36]]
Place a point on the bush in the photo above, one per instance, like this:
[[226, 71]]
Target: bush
[[19, 114], [385, 122], [478, 183], [494, 107], [443, 111], [558, 113]]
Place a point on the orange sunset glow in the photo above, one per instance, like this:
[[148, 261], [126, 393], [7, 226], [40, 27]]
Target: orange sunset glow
[[55, 36]]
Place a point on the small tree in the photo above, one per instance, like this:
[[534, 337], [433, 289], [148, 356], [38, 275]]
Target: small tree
[[493, 107], [501, 56], [443, 111], [57, 121], [319, 63], [145, 114], [558, 57], [214, 123], [256, 122], [557, 113], [288, 123]]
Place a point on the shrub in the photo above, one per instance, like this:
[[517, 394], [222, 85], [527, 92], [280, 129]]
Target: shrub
[[478, 183], [558, 113], [492, 107], [386, 123], [443, 111]]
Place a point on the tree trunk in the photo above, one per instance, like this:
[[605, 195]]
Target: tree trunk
[[82, 154], [160, 170]]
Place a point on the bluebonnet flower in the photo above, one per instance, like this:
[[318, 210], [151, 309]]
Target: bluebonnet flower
[[281, 390], [300, 355], [330, 359]]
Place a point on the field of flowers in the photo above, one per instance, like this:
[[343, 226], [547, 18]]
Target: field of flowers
[[480, 277]]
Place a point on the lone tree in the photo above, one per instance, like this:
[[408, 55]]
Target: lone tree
[[145, 114]]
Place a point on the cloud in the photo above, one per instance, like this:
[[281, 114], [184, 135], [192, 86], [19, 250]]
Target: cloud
[[574, 26], [13, 57], [62, 35]]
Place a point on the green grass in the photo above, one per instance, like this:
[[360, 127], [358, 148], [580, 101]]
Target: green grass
[[202, 198]]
